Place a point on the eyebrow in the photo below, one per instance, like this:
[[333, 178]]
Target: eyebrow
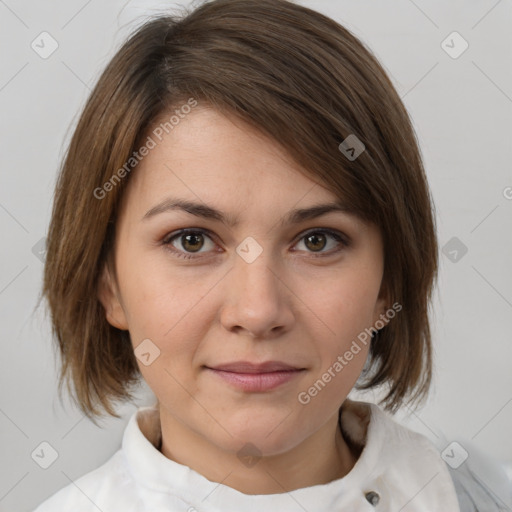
[[207, 212]]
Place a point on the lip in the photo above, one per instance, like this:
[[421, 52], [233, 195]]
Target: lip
[[248, 367], [251, 377]]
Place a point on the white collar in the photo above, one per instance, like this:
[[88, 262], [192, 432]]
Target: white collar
[[395, 462]]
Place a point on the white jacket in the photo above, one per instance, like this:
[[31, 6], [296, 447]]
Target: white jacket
[[398, 470]]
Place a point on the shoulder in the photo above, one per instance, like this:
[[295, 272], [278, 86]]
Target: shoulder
[[460, 470], [98, 489], [481, 482], [366, 424], [406, 468]]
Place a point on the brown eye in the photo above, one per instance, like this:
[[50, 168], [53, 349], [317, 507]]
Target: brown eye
[[315, 242], [192, 242]]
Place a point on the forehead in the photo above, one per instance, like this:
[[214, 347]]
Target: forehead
[[221, 160]]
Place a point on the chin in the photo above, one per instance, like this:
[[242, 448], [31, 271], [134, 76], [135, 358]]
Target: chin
[[261, 438]]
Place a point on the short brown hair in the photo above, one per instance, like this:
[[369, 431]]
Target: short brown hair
[[298, 77]]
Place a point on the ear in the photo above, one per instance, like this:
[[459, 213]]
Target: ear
[[382, 304], [108, 295]]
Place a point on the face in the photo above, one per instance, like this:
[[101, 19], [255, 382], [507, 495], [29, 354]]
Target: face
[[268, 287]]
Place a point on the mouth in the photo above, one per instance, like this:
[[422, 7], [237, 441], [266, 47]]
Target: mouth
[[256, 377]]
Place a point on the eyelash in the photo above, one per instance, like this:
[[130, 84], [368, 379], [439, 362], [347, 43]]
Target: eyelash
[[341, 239]]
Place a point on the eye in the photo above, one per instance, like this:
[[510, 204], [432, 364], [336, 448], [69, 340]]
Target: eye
[[315, 241], [193, 240]]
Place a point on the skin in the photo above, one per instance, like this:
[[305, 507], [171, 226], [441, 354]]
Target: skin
[[287, 305]]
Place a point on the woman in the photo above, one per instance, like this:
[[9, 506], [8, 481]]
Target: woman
[[243, 219]]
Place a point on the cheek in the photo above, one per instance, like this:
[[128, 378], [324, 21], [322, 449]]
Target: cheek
[[345, 309], [156, 296], [346, 304], [173, 311], [173, 326]]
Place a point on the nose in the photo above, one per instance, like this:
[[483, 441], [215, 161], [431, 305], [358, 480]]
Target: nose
[[257, 299]]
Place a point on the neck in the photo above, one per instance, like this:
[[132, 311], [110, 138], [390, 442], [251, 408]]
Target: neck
[[323, 457]]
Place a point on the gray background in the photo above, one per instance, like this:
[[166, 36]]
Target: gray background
[[462, 112]]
